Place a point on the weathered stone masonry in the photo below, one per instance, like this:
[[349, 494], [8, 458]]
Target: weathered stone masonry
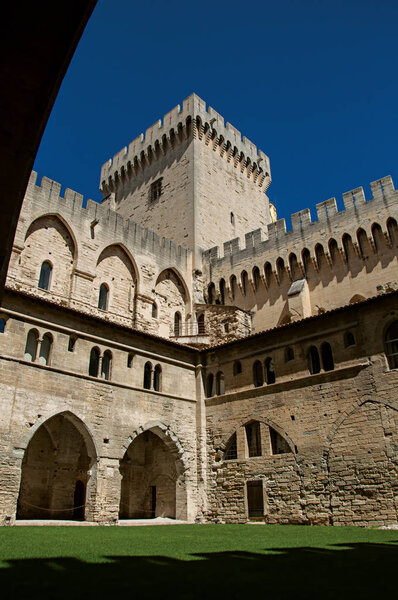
[[143, 374]]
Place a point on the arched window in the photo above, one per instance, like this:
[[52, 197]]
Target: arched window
[[154, 311], [130, 358], [45, 276], [177, 324], [333, 250], [314, 363], [280, 268], [94, 362], [256, 278], [231, 450], [237, 369], [327, 357], [258, 377], [293, 266], [157, 378], [232, 217], [31, 345], [147, 376], [45, 349], [289, 354], [211, 293], [363, 243], [349, 339], [220, 386], [347, 246], [210, 385], [222, 291], [103, 297], [319, 255], [392, 230], [233, 286], [245, 281], [2, 325], [106, 365], [268, 273], [278, 443], [378, 236], [253, 438], [306, 258], [391, 345], [269, 371], [201, 323]]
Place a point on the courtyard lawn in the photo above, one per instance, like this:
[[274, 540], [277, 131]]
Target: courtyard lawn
[[198, 562]]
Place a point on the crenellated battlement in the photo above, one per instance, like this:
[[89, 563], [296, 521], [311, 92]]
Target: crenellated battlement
[[305, 232], [195, 119], [130, 233]]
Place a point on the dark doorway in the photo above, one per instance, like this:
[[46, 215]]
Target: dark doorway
[[149, 476], [255, 499], [79, 501], [153, 501], [55, 471]]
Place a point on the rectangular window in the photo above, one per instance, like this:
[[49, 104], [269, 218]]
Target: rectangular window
[[253, 439], [155, 191]]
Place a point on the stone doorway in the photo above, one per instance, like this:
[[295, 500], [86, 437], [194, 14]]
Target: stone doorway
[[149, 479], [255, 499], [56, 471]]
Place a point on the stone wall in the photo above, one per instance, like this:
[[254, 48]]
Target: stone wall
[[339, 460], [343, 256], [107, 414]]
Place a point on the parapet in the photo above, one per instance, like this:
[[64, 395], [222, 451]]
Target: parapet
[[304, 230], [123, 230], [193, 110]]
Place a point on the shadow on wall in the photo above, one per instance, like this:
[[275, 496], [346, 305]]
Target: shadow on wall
[[361, 570]]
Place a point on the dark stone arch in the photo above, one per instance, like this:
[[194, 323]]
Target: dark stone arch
[[58, 467], [153, 475]]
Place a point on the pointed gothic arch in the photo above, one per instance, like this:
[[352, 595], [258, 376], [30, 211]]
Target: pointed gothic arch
[[58, 467], [153, 475]]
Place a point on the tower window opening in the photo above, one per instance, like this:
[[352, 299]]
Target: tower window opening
[[45, 276], [232, 217], [103, 297], [155, 191]]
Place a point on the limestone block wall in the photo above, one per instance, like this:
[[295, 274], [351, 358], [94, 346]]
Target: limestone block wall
[[344, 256], [108, 414], [213, 179], [339, 425], [90, 246]]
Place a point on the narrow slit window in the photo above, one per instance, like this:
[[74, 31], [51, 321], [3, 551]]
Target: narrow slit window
[[31, 345], [157, 378], [45, 276], [253, 438], [103, 297], [45, 349], [94, 362], [327, 357], [314, 363], [147, 376], [106, 365], [258, 377]]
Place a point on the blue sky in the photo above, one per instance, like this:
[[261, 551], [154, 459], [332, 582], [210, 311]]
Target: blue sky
[[313, 84]]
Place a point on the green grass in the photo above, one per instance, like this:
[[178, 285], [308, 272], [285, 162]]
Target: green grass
[[197, 561]]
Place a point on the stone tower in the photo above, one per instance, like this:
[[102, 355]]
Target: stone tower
[[192, 179]]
